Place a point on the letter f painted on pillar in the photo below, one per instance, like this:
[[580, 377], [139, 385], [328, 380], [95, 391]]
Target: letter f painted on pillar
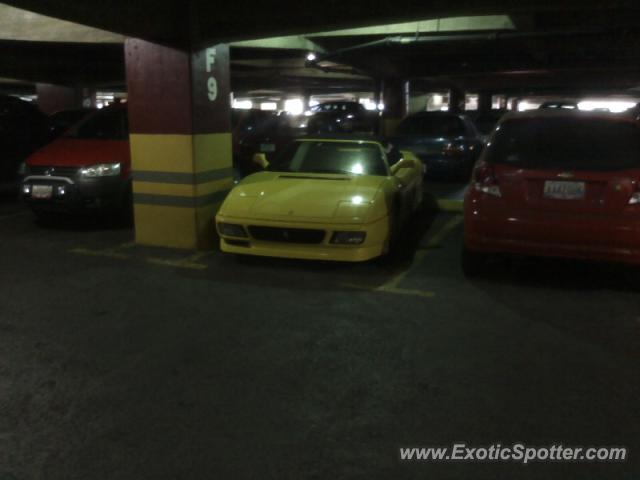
[[211, 58]]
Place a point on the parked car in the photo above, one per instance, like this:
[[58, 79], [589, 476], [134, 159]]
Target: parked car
[[345, 117], [559, 183], [323, 198], [88, 169], [260, 131], [447, 143], [23, 128], [62, 120]]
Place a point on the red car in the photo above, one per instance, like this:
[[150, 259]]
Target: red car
[[556, 183], [87, 169]]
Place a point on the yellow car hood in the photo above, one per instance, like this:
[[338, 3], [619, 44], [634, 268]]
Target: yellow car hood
[[307, 197]]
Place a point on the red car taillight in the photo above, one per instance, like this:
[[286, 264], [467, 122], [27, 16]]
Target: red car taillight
[[484, 179], [635, 197]]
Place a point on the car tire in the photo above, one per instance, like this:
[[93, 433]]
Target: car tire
[[472, 262], [394, 231]]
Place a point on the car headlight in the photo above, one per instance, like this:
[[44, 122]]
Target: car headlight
[[102, 170], [231, 230], [348, 238]]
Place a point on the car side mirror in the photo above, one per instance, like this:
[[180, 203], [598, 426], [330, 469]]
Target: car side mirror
[[260, 159], [402, 164]]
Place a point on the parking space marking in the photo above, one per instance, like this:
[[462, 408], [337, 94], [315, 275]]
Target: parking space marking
[[392, 286], [108, 252], [191, 262], [420, 254], [188, 262], [448, 205], [395, 290]]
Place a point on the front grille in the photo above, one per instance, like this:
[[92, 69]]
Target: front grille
[[53, 171], [287, 235]]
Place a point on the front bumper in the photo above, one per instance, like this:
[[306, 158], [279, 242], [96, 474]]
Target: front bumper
[[74, 195], [491, 228], [374, 245]]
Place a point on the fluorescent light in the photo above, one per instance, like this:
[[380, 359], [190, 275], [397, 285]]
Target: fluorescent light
[[294, 106], [614, 106], [524, 106], [268, 106], [243, 104]]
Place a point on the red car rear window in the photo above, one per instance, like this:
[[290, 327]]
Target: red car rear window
[[568, 143]]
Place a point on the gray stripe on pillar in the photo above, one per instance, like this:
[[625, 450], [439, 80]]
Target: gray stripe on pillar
[[182, 178], [179, 201]]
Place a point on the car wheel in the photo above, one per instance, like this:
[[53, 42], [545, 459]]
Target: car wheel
[[394, 231], [124, 213], [473, 262]]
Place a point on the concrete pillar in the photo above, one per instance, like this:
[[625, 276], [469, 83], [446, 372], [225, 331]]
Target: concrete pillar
[[88, 97], [395, 96], [53, 98], [484, 102], [306, 98], [180, 131], [456, 100]]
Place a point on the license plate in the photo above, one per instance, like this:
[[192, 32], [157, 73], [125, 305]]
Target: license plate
[[42, 191], [564, 190], [267, 147]]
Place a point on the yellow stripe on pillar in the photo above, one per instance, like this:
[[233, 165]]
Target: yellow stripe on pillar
[[164, 153], [212, 151], [179, 183]]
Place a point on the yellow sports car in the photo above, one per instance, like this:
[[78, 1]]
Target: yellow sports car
[[337, 198]]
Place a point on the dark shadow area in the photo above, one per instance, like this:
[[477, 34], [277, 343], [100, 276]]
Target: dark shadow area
[[446, 189], [84, 223], [562, 274], [577, 298], [412, 236]]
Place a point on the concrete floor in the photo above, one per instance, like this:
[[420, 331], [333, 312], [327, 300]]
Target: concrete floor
[[123, 362]]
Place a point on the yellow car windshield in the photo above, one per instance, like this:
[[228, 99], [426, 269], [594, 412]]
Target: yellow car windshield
[[318, 156]]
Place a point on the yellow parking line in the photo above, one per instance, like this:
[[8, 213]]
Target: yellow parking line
[[407, 291], [190, 262], [437, 238], [399, 291], [433, 241], [392, 285], [446, 205], [109, 252], [182, 263]]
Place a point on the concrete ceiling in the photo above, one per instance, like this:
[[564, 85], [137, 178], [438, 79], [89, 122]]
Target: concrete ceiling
[[19, 24], [487, 43]]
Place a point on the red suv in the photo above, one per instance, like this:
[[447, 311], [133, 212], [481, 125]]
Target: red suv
[[558, 184], [86, 169]]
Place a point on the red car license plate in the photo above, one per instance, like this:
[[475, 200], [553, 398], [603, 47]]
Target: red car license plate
[[564, 190], [42, 191]]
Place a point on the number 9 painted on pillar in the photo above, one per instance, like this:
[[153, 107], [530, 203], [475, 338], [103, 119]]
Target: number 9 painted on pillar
[[212, 84]]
